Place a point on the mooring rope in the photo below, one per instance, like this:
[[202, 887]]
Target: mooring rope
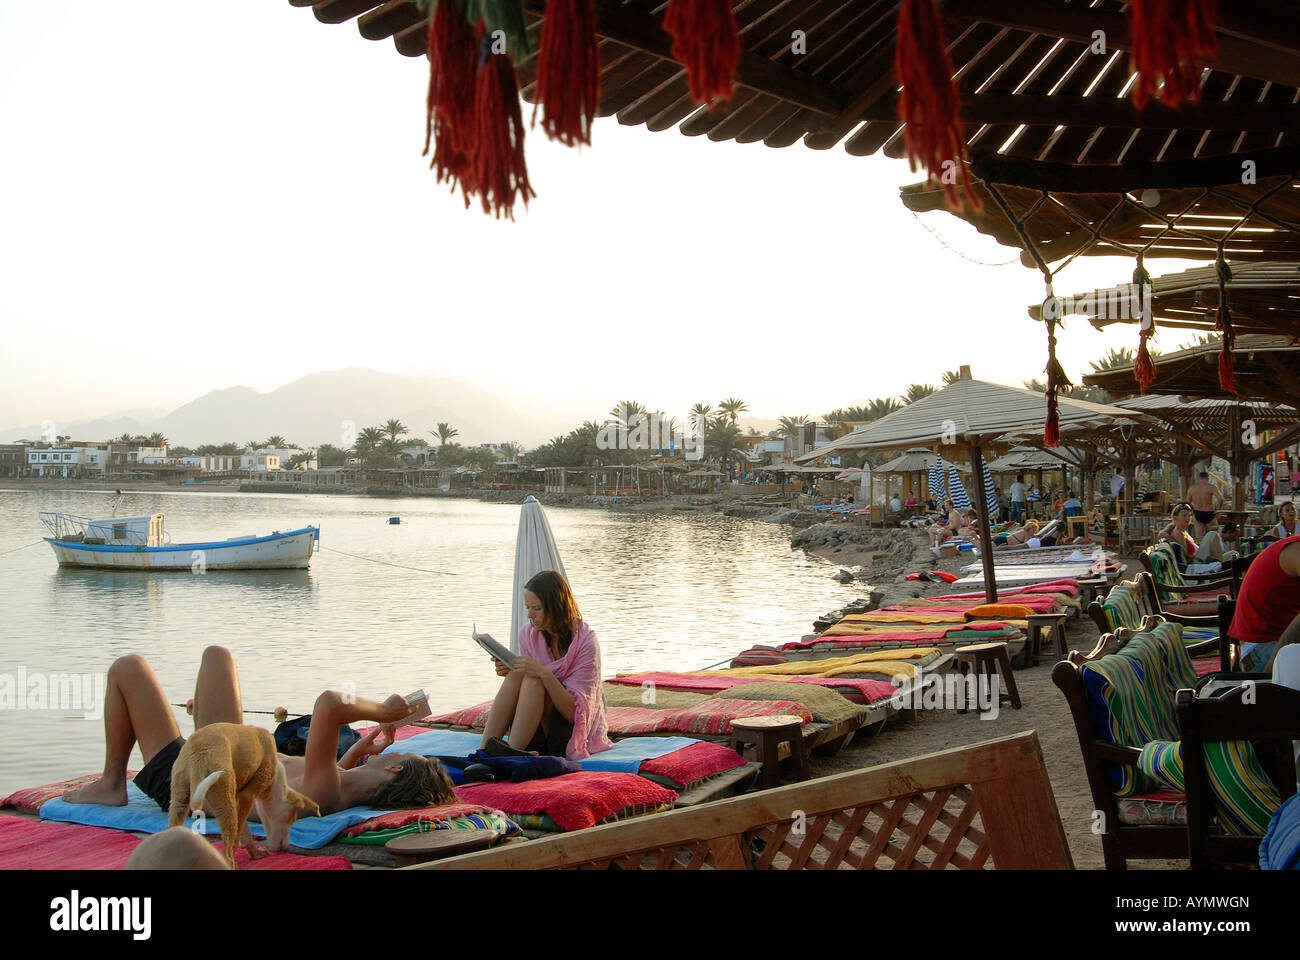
[[354, 556], [23, 547]]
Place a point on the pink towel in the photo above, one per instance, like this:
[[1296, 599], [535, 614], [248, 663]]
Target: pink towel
[[33, 845]]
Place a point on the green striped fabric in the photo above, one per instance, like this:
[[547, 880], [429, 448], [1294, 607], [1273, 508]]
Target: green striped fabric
[[1122, 606], [1245, 799], [1164, 567]]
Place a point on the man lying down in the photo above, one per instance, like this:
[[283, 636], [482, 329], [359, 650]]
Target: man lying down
[[136, 711]]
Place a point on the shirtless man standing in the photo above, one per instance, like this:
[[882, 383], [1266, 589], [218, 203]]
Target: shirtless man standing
[[1205, 500]]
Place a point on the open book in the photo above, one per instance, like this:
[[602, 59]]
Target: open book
[[493, 648]]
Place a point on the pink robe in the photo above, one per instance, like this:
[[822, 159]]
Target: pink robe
[[579, 671]]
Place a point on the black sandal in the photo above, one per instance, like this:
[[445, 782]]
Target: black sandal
[[497, 747]]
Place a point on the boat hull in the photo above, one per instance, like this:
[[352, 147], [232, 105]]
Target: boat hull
[[279, 551]]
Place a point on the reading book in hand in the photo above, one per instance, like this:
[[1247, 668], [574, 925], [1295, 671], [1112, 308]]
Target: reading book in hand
[[493, 648]]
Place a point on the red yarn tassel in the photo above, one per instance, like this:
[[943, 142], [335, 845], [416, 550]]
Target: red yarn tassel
[[706, 41], [1171, 40], [452, 52], [500, 171], [929, 104], [1223, 323], [1056, 379], [1144, 370], [568, 72]]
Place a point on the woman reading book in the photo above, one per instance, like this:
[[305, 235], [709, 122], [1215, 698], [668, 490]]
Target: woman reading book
[[551, 700]]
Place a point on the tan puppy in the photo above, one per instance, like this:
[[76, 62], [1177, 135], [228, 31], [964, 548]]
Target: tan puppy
[[234, 766]]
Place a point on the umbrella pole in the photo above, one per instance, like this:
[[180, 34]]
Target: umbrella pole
[[986, 536]]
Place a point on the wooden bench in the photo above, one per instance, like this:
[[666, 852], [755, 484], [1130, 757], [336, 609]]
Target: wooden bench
[[986, 805]]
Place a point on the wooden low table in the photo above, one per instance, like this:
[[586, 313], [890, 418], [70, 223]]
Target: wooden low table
[[1055, 625], [767, 734], [436, 844], [1091, 589], [987, 659]]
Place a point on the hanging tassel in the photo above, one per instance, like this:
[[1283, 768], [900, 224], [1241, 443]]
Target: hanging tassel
[[500, 171], [706, 41], [1056, 377], [568, 72], [1223, 323], [449, 125], [929, 105], [1172, 40], [1144, 370]]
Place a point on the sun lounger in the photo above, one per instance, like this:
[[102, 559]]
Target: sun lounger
[[990, 804], [29, 844]]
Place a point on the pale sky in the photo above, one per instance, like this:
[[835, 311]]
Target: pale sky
[[196, 196]]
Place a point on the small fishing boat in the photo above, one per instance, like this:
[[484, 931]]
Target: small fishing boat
[[141, 543]]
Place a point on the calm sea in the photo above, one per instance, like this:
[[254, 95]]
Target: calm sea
[[661, 592]]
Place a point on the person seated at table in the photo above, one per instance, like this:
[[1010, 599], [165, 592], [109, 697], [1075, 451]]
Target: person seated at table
[[1016, 539], [1070, 507], [895, 505], [1286, 522], [1177, 534], [1267, 614], [911, 503], [949, 527], [1221, 541]]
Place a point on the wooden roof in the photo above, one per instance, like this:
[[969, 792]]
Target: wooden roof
[[1036, 101], [1263, 298], [1266, 368]]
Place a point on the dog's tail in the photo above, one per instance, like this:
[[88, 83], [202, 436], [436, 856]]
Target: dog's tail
[[201, 789]]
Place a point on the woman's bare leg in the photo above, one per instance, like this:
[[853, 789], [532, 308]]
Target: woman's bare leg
[[528, 713], [135, 711], [503, 708], [216, 690]]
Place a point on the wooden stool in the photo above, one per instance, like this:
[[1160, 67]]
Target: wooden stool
[[767, 734], [1055, 624], [987, 659], [1091, 589], [436, 844]]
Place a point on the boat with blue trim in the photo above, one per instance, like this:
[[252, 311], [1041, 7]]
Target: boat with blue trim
[[142, 543]]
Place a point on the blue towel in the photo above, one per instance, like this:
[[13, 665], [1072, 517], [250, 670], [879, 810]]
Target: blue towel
[[625, 757], [1280, 848], [144, 816]]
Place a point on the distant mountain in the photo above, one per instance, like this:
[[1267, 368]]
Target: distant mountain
[[314, 409]]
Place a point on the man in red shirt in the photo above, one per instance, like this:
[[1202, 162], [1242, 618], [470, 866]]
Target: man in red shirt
[[1267, 617]]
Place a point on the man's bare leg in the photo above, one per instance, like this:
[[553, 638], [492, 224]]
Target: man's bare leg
[[135, 711], [216, 690]]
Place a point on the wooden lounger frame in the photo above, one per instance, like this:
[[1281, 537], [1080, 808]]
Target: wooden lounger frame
[[989, 804]]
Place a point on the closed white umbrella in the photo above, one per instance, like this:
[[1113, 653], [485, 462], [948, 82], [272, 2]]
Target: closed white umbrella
[[535, 551]]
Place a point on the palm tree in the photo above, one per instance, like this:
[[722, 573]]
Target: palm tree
[[700, 417], [1036, 385], [1118, 357], [950, 377], [367, 443], [790, 425], [390, 447], [394, 429], [883, 407], [721, 442], [733, 407], [444, 433], [848, 413], [510, 450], [916, 391], [623, 411], [276, 441], [157, 440]]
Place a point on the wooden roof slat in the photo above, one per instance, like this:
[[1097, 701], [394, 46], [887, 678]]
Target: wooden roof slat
[[386, 20], [341, 11]]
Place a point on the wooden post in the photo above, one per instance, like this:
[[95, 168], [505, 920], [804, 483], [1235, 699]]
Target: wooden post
[[986, 536]]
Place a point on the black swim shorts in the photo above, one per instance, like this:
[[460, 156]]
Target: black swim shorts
[[1203, 516], [155, 780]]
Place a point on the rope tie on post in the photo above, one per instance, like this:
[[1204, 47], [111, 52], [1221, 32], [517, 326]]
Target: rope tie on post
[[1223, 323], [1144, 370], [1056, 376]]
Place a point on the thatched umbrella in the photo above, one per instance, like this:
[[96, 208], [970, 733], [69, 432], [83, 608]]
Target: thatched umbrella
[[973, 415]]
